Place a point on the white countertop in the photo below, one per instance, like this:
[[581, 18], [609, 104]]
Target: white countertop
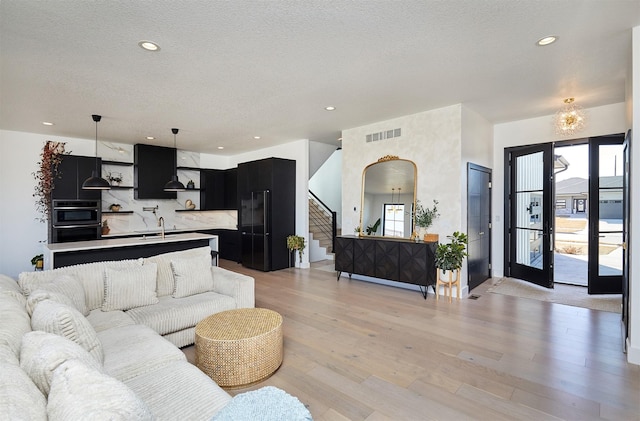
[[124, 242], [168, 231]]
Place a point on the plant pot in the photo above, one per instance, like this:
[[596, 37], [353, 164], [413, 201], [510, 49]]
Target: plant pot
[[105, 230], [431, 238]]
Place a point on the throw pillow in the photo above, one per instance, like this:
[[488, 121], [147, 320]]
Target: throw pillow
[[42, 294], [70, 286], [43, 352], [192, 276], [80, 392], [20, 399], [129, 288], [66, 321]]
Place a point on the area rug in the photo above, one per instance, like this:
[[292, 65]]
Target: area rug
[[562, 294]]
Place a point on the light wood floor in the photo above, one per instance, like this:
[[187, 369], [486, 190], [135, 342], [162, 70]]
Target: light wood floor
[[360, 351]]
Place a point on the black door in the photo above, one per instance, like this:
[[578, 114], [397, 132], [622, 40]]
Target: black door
[[528, 210], [625, 239], [478, 224], [606, 208]]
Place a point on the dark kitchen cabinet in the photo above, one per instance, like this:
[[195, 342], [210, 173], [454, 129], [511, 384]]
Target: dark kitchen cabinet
[[266, 216], [397, 260], [228, 243], [73, 170], [219, 189], [153, 168]]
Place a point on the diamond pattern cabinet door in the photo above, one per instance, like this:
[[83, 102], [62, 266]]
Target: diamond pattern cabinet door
[[413, 262], [386, 259], [364, 261], [344, 254], [431, 262]]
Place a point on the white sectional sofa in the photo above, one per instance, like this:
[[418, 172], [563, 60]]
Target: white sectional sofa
[[100, 340]]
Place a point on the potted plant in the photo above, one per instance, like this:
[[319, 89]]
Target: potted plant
[[47, 172], [105, 227], [38, 261], [450, 256], [424, 218], [296, 242], [115, 178], [372, 229]]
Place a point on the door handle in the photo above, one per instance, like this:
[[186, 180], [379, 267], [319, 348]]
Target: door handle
[[481, 233]]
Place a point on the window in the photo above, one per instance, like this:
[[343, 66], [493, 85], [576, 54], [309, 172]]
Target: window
[[394, 220]]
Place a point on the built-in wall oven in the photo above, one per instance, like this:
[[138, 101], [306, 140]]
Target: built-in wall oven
[[75, 220]]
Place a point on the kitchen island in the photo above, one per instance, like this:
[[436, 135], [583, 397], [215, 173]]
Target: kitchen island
[[73, 253]]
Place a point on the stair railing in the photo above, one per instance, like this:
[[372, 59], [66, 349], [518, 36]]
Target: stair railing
[[329, 230]]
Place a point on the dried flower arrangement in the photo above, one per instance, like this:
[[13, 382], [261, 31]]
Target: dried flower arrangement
[[50, 158]]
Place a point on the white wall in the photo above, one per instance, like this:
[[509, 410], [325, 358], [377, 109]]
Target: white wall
[[318, 154], [326, 183], [298, 151]]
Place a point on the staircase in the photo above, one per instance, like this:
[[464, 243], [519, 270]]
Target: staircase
[[320, 229]]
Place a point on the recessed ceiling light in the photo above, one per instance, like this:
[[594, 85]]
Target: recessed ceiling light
[[256, 137], [46, 123], [150, 138], [330, 108], [220, 147], [149, 45], [547, 40]]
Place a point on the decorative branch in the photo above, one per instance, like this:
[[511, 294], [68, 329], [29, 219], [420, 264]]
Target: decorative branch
[[50, 158]]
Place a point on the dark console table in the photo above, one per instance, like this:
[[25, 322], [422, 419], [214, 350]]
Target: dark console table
[[394, 259]]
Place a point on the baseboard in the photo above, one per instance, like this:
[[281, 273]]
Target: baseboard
[[633, 353], [463, 292]]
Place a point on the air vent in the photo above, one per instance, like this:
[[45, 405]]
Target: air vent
[[387, 134]]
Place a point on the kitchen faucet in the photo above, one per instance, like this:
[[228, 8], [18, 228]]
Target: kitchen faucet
[[161, 225]]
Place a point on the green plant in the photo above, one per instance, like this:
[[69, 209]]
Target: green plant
[[450, 256], [371, 229], [424, 216], [37, 258], [296, 242]]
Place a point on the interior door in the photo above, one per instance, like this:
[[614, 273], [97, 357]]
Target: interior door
[[478, 224], [625, 239], [606, 209], [528, 206]]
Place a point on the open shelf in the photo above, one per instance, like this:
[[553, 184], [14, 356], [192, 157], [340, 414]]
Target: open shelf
[[124, 164], [112, 212]]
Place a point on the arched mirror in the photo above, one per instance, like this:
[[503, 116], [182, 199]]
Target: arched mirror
[[388, 197]]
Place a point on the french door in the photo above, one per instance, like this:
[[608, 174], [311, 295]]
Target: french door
[[528, 206]]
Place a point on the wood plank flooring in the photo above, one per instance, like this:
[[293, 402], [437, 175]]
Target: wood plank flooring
[[360, 351]]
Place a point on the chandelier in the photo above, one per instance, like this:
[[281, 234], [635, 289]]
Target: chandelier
[[569, 119]]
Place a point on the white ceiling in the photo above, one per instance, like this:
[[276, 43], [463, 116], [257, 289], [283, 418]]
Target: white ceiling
[[231, 70]]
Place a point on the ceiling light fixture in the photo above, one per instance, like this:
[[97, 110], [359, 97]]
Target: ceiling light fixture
[[95, 182], [256, 137], [220, 147], [330, 108], [149, 45], [46, 123], [174, 184], [546, 40], [570, 119], [150, 138]]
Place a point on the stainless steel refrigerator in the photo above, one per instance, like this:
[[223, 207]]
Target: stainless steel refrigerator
[[255, 229]]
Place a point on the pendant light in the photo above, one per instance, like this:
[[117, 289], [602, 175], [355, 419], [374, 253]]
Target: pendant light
[[95, 182], [174, 184]]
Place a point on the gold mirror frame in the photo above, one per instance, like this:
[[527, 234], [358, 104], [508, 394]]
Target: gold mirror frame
[[391, 176]]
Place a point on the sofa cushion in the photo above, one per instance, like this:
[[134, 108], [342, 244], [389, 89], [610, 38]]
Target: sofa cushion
[[179, 391], [20, 399], [42, 294], [135, 349], [90, 275], [191, 276], [14, 322], [129, 288], [70, 287], [166, 284], [174, 314], [42, 353], [103, 320], [9, 286], [80, 392], [66, 321]]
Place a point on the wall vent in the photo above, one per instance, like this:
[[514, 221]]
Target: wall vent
[[387, 134]]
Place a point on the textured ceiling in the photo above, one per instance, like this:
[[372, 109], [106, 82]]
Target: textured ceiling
[[231, 70]]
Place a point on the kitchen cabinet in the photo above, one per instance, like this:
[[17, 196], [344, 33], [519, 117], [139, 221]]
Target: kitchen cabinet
[[266, 216], [73, 170], [397, 260], [153, 168], [228, 243], [219, 189]]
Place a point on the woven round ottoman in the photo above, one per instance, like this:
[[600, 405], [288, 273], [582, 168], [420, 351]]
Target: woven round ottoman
[[241, 347]]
